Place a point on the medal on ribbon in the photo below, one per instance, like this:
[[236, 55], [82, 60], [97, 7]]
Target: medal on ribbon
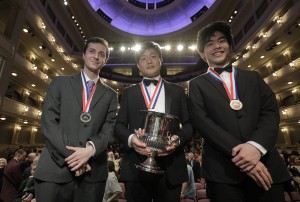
[[86, 116], [235, 103], [151, 101]]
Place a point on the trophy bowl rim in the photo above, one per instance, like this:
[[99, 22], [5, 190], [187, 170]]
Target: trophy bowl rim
[[165, 115]]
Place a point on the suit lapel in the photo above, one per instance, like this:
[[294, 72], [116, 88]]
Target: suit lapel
[[218, 85], [168, 96], [140, 97], [99, 92], [76, 84], [240, 85]]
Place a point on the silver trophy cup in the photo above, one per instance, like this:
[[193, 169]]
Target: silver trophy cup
[[157, 137]]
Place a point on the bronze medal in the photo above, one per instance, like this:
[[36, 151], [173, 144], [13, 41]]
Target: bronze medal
[[85, 117], [236, 105]]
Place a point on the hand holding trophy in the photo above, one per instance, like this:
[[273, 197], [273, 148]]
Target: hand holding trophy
[[157, 137]]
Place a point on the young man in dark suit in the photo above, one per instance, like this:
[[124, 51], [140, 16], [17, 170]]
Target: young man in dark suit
[[78, 122], [237, 114], [163, 97]]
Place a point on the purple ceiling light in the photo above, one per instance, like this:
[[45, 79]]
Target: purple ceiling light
[[145, 22]]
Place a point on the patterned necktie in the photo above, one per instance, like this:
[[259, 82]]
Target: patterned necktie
[[90, 85]]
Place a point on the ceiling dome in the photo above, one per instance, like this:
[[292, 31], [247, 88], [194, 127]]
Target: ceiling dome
[[150, 17]]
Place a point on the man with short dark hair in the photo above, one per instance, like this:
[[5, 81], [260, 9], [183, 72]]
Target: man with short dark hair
[[237, 115], [77, 121], [156, 94]]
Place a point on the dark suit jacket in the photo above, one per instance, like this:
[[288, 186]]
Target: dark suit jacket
[[131, 117], [61, 126], [224, 128]]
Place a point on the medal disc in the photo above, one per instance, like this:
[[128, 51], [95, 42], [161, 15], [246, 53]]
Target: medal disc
[[85, 117], [236, 104]]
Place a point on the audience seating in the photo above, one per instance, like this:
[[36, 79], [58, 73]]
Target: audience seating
[[187, 200], [201, 195], [199, 185], [295, 196], [287, 197]]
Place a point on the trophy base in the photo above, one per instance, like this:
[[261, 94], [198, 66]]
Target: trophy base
[[149, 165]]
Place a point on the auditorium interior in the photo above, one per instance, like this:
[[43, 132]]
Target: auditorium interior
[[40, 39]]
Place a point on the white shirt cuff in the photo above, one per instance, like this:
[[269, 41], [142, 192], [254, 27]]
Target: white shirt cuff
[[262, 150], [91, 143], [129, 140]]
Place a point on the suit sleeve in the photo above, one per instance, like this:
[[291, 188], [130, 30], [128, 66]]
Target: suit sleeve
[[268, 122], [50, 121], [106, 135], [186, 131], [121, 128], [213, 134]]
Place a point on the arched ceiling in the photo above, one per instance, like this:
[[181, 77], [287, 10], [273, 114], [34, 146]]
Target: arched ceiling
[[150, 17]]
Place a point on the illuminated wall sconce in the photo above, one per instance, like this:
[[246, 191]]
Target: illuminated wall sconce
[[254, 46], [294, 91], [278, 20], [27, 93], [286, 53], [42, 47], [43, 25], [34, 129], [25, 110], [284, 130], [275, 74], [40, 99], [265, 35], [285, 113], [246, 55], [39, 114], [18, 127], [33, 67], [45, 68], [292, 64], [46, 76]]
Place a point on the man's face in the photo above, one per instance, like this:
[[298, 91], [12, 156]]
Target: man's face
[[94, 57], [150, 63], [21, 157], [216, 50]]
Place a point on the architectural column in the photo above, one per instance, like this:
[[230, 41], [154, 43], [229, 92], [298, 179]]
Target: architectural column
[[15, 135], [32, 136], [286, 136]]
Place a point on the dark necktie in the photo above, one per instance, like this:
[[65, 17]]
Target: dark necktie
[[228, 68], [148, 81], [90, 85]]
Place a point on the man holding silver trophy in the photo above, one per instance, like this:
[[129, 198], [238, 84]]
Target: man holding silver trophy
[[153, 125]]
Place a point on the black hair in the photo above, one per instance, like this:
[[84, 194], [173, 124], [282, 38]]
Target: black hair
[[111, 166], [145, 46], [208, 31], [97, 40]]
